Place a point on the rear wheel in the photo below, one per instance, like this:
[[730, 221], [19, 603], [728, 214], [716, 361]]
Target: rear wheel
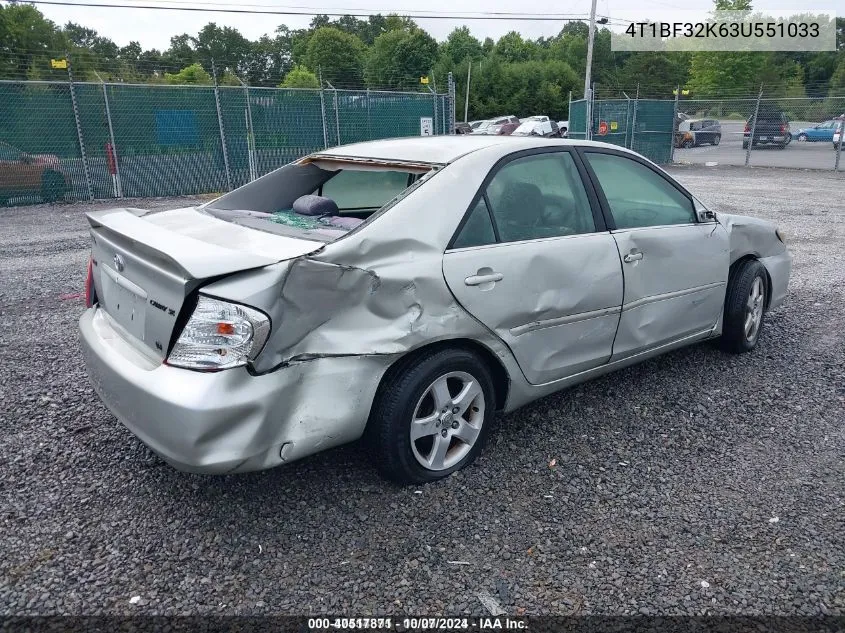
[[431, 416], [717, 139], [745, 307], [801, 138], [53, 186], [687, 144]]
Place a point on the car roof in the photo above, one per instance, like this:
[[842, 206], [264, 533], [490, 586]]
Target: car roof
[[444, 149]]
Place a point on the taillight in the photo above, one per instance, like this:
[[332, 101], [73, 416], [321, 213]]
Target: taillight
[[747, 128], [90, 294], [783, 129]]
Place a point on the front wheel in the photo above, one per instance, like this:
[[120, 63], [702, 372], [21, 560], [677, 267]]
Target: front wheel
[[431, 416], [801, 138], [745, 307]]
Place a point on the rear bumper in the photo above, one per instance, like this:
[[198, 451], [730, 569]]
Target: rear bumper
[[229, 421], [779, 268]]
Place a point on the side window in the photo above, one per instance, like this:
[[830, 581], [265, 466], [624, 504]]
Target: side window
[[478, 229], [637, 195], [538, 196], [360, 190]]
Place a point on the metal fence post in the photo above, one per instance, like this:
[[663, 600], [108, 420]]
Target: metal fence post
[[250, 134], [753, 127], [839, 145], [369, 130], [336, 116], [118, 185], [634, 117], [451, 104], [220, 123], [674, 121], [75, 107], [323, 109]]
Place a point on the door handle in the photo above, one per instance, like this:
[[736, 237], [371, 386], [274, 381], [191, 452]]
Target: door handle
[[477, 280], [632, 257]]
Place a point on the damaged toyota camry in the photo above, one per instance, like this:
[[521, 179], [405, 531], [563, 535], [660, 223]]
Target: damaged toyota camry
[[404, 291]]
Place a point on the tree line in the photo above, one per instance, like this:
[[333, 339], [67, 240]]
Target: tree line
[[513, 75]]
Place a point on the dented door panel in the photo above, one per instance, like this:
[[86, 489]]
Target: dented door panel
[[556, 304], [675, 279]]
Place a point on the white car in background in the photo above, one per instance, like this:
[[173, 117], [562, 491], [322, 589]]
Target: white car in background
[[536, 126]]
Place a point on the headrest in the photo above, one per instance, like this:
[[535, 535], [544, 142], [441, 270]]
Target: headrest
[[315, 205]]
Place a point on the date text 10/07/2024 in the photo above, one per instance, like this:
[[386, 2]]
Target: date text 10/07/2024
[[418, 624]]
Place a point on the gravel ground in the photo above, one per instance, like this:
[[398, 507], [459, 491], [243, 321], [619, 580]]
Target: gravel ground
[[695, 483]]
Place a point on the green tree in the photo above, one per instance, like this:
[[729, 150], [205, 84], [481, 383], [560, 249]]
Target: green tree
[[190, 75], [226, 46], [399, 58], [461, 45], [512, 48], [27, 43], [300, 77], [657, 73], [336, 55]]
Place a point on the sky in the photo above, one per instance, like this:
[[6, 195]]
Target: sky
[[154, 28]]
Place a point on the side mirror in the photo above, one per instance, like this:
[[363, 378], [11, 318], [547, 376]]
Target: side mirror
[[703, 213]]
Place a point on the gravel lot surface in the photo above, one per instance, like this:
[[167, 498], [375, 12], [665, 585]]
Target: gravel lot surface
[[696, 483]]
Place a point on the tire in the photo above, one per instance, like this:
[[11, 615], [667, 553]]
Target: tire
[[801, 138], [413, 390], [745, 145], [745, 307], [717, 139], [53, 186], [687, 144]]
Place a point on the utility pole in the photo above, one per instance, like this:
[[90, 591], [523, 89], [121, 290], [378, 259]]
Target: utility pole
[[588, 93], [590, 38], [466, 100]]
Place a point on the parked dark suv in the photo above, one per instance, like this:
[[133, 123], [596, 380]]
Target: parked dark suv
[[772, 128]]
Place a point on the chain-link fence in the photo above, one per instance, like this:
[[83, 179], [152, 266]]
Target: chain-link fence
[[754, 130], [761, 131], [643, 125], [63, 140]]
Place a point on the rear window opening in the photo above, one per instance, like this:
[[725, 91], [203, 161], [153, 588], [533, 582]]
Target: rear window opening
[[321, 200]]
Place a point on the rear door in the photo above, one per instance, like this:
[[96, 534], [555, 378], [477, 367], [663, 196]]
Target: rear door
[[533, 261], [675, 267]]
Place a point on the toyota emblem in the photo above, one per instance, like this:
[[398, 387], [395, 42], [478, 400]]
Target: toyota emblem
[[118, 263]]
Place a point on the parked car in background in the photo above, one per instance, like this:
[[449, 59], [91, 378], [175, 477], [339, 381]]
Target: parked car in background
[[498, 126], [404, 291], [819, 132], [537, 126], [563, 126], [692, 132], [26, 174], [771, 128], [475, 124]]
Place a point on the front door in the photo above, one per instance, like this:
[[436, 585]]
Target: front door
[[675, 267], [534, 262]]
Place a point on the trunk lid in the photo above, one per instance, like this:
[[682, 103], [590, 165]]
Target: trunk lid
[[146, 265]]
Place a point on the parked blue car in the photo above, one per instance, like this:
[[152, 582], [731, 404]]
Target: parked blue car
[[819, 132]]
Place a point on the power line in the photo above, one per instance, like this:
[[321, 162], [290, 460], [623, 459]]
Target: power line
[[527, 17]]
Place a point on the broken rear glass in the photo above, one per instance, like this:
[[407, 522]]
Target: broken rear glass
[[313, 200]]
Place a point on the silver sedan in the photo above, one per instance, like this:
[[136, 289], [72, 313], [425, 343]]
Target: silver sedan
[[404, 291]]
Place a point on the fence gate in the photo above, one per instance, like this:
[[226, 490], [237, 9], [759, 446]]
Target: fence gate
[[643, 125]]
